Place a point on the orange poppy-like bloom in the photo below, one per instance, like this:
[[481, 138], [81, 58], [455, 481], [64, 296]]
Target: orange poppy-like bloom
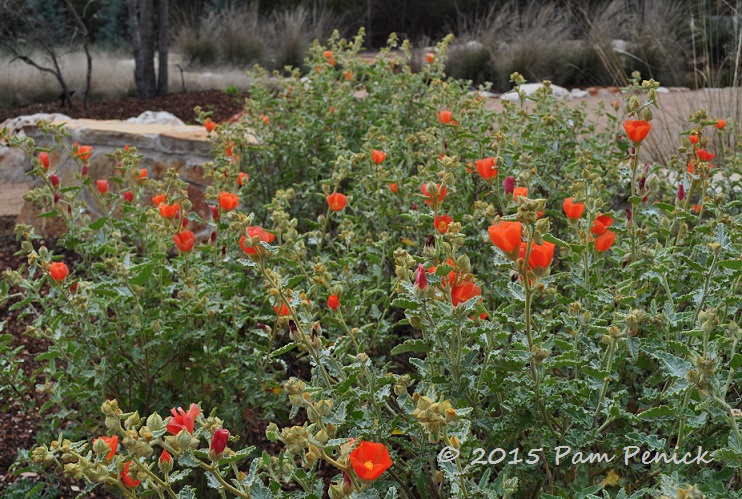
[[160, 198], [228, 201], [520, 191], [264, 236], [209, 124], [430, 57], [377, 156], [604, 241], [337, 201], [486, 167], [182, 420], [102, 185], [573, 210], [142, 174], [704, 155], [348, 75], [464, 292], [637, 130], [126, 478], [693, 139], [441, 223], [168, 210], [283, 311], [720, 124], [541, 254], [393, 187], [696, 208], [128, 196], [444, 116], [59, 271], [242, 178], [113, 444], [370, 460], [601, 224], [506, 235], [333, 302], [82, 152], [184, 240], [430, 201]]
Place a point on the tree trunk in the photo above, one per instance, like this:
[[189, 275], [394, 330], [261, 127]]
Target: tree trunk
[[162, 46], [142, 41], [86, 47]]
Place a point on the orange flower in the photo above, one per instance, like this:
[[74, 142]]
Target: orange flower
[[209, 124], [704, 155], [229, 150], [444, 116], [337, 201], [113, 444], [573, 210], [265, 119], [184, 240], [59, 271], [604, 241], [520, 191], [102, 185], [260, 233], [168, 210], [541, 254], [430, 57], [486, 167], [228, 201], [637, 130], [242, 178], [464, 292], [284, 310], [348, 75], [370, 460], [506, 236], [393, 187], [720, 124], [142, 174], [696, 208], [693, 139], [182, 420], [160, 198], [441, 223], [601, 224], [126, 478], [430, 201], [82, 152], [378, 156], [333, 302]]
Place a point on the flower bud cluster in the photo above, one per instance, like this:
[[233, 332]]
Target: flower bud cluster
[[434, 415]]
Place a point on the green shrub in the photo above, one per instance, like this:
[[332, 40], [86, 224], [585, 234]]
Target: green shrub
[[403, 293]]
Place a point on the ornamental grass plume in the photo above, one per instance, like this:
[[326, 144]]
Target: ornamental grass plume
[[573, 210], [337, 201], [369, 460], [637, 130]]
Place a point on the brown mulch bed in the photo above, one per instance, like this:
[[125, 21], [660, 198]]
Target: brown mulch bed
[[181, 105]]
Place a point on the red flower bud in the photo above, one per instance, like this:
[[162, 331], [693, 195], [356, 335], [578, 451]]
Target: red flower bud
[[219, 441], [213, 236], [57, 197], [54, 179], [214, 212], [333, 302], [508, 185], [44, 158], [681, 192], [128, 196], [84, 170], [102, 185], [421, 278]]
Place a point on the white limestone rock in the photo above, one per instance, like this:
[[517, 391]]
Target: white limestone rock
[[156, 118]]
